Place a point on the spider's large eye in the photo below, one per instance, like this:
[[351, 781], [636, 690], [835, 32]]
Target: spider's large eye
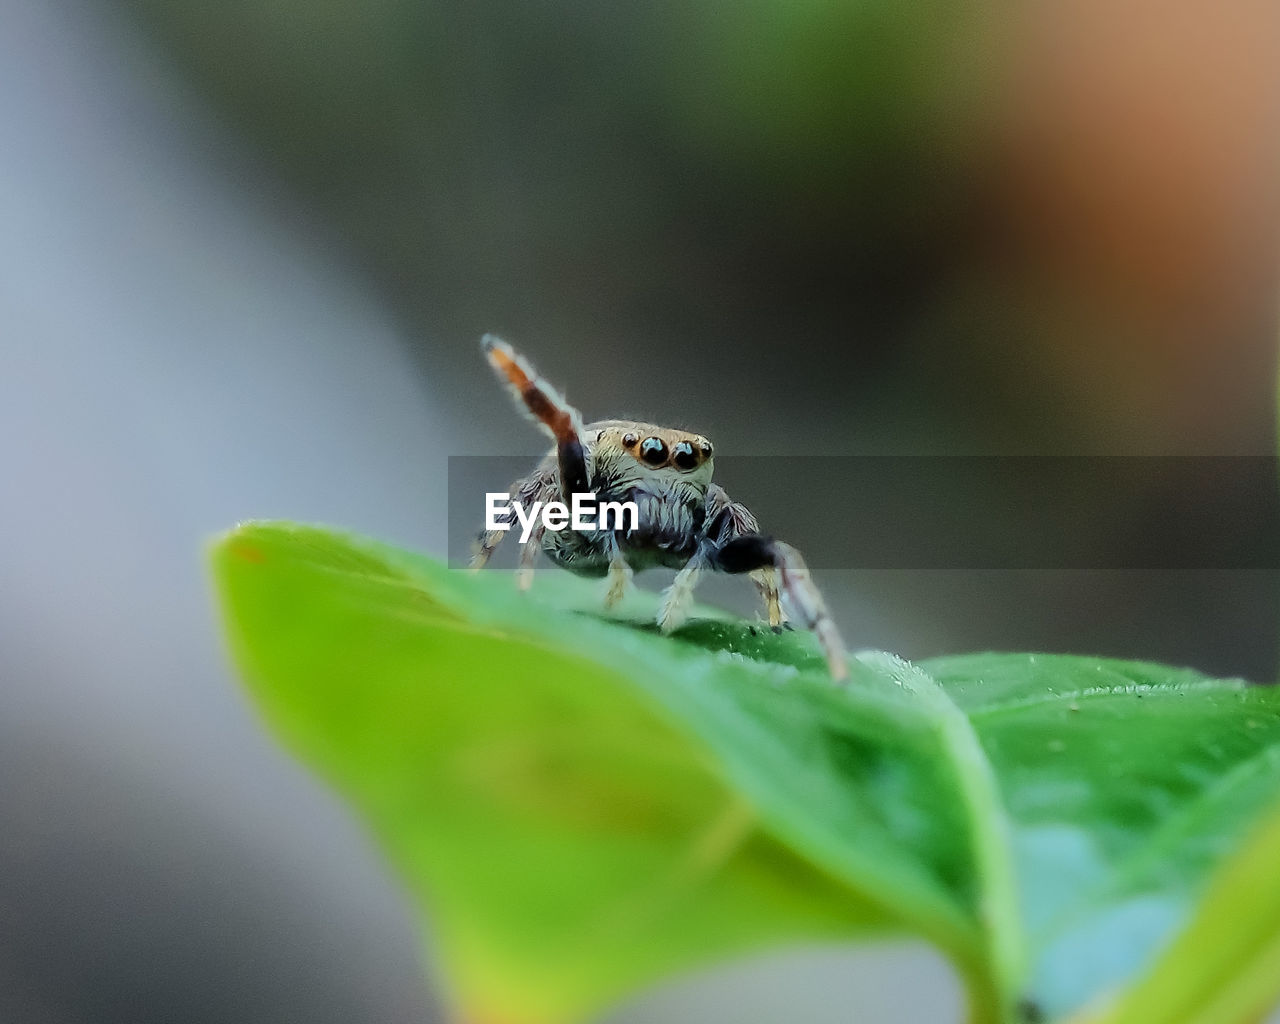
[[684, 455], [653, 451]]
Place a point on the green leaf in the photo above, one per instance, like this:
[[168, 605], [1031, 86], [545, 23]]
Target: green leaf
[[581, 806], [1125, 784], [1225, 967]]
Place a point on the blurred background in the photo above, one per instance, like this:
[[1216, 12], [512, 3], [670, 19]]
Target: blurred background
[[247, 250]]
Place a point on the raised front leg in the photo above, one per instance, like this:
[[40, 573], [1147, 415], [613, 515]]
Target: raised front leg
[[548, 408]]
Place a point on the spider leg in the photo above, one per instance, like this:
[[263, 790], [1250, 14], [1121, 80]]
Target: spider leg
[[618, 576], [677, 598], [752, 551], [548, 407], [727, 519], [538, 486], [528, 556], [766, 581], [487, 543]]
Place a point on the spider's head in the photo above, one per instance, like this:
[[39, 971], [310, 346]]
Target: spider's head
[[643, 453]]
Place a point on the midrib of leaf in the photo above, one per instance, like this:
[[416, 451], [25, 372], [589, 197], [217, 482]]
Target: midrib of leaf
[[880, 883], [992, 984], [994, 967]]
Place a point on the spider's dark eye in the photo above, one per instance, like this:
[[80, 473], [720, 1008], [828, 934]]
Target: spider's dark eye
[[629, 440], [653, 451], [599, 435], [684, 455], [705, 446]]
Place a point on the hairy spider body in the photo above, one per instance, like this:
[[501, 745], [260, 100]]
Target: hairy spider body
[[685, 522]]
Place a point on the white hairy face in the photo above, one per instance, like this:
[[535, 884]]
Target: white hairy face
[[645, 455]]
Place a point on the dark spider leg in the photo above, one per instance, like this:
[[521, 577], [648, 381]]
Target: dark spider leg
[[752, 551], [556, 416]]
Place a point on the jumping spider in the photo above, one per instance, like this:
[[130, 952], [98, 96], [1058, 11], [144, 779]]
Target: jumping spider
[[685, 521]]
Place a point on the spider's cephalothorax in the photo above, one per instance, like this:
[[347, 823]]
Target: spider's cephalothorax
[[684, 521]]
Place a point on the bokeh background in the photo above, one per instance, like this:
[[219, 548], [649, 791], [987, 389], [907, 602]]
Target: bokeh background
[[246, 250]]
